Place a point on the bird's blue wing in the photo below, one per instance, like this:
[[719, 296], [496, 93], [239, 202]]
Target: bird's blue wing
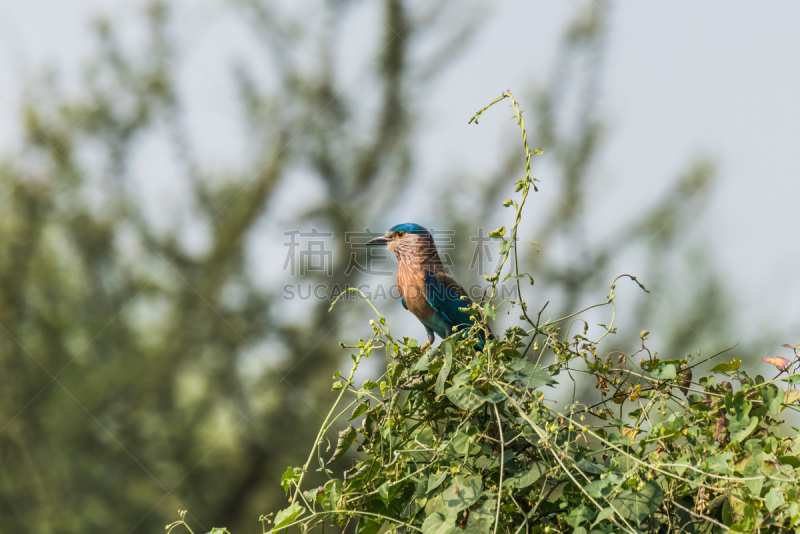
[[444, 294], [403, 302]]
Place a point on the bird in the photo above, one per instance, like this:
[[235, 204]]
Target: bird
[[426, 289]]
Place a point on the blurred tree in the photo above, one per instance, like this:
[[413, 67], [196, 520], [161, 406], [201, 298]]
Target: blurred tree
[[140, 375], [128, 384]]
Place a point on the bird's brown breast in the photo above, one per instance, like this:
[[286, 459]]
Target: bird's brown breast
[[411, 284]]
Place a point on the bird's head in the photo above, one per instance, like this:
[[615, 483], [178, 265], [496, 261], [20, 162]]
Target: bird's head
[[406, 241]]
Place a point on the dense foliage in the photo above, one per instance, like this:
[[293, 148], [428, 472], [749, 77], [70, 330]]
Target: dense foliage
[[692, 456], [456, 439]]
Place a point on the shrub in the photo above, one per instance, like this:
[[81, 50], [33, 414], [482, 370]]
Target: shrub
[[453, 439]]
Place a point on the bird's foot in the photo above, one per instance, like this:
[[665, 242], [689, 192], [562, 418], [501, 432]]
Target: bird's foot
[[425, 347]]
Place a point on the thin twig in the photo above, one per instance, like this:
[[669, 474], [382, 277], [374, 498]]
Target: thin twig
[[699, 516], [502, 467]]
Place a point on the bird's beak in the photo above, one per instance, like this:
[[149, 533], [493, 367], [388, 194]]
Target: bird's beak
[[382, 241]]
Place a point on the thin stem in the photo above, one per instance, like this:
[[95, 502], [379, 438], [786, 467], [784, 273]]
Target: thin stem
[[502, 466], [699, 516], [324, 426]]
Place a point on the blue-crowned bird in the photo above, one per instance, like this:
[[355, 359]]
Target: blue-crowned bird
[[426, 289]]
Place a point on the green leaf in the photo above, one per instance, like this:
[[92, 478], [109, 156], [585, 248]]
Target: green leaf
[[491, 462], [794, 461], [589, 467], [461, 443], [603, 487], [481, 518], [289, 476], [287, 516], [604, 514], [597, 489], [726, 367], [439, 524], [436, 480], [664, 372], [383, 490], [504, 246], [433, 524], [500, 232], [637, 506], [360, 409], [773, 398], [718, 463], [746, 431], [741, 424], [436, 506], [422, 364], [495, 396], [791, 380], [445, 370], [420, 495], [346, 438], [754, 468], [462, 378], [748, 521], [367, 525], [524, 479], [435, 366], [727, 517], [467, 398], [578, 515], [369, 384], [773, 499], [530, 375], [462, 493], [489, 311], [425, 436], [396, 372], [333, 492]]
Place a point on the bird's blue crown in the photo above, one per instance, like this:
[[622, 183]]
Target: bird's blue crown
[[410, 228]]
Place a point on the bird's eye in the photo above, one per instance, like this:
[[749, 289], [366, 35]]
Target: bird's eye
[[401, 233]]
